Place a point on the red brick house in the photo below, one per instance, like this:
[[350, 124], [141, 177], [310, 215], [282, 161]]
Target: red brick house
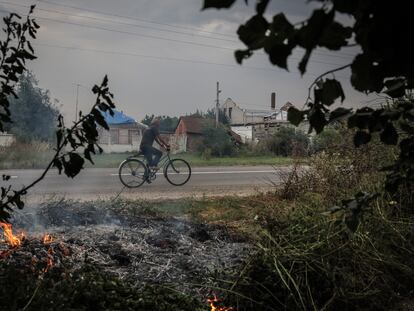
[[191, 127]]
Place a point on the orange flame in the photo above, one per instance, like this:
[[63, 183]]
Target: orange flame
[[47, 239], [213, 305], [14, 241], [50, 253]]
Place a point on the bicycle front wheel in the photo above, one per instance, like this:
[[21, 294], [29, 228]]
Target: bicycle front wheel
[[132, 173], [177, 172]]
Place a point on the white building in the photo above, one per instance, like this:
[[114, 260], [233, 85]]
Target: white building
[[124, 134], [252, 124]]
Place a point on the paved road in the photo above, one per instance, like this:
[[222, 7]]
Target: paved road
[[103, 183]]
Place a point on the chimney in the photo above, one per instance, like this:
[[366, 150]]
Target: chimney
[[273, 103]]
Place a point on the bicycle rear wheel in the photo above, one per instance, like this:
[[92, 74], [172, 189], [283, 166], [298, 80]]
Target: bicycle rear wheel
[[177, 172], [132, 173]]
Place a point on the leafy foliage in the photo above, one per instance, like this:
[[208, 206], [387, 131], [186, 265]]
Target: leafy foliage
[[73, 144], [216, 141], [385, 64], [15, 50], [211, 114], [286, 141], [167, 124], [33, 114], [326, 140]]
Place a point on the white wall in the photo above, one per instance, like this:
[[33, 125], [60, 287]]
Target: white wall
[[245, 132], [6, 139]]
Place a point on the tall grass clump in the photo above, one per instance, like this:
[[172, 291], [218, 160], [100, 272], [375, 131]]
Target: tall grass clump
[[309, 259]]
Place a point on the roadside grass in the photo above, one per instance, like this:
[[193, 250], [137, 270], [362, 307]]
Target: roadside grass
[[38, 156], [114, 159], [25, 156]]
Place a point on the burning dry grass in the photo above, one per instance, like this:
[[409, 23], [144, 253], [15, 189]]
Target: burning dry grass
[[125, 241]]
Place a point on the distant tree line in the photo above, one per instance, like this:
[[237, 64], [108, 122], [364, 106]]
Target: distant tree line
[[34, 116]]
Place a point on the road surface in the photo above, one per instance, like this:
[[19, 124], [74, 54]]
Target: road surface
[[101, 183]]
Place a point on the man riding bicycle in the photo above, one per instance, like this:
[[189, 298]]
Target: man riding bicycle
[[151, 154]]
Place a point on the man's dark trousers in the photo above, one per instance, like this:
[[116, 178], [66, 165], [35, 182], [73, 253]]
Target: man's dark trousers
[[152, 154]]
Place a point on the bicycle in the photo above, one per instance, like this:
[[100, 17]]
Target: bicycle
[[134, 171]]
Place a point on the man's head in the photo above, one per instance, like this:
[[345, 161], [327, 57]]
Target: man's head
[[156, 122]]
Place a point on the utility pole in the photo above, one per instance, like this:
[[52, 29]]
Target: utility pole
[[77, 102], [218, 104]]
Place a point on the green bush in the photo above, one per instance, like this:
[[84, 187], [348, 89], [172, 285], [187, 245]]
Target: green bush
[[310, 261], [286, 142], [217, 140], [325, 140]]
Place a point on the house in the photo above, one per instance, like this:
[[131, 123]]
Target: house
[[6, 139], [124, 134], [239, 116], [191, 127], [253, 125]]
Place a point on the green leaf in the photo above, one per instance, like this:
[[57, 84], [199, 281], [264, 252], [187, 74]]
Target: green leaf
[[335, 36], [100, 119], [310, 34], [361, 119], [366, 77], [339, 113], [345, 6], [395, 87], [95, 89], [240, 55], [252, 34], [295, 116], [74, 165], [87, 155], [317, 119], [218, 4], [261, 6], [304, 61], [361, 138], [389, 136], [278, 53], [331, 90]]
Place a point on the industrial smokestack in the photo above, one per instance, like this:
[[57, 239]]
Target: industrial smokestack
[[273, 103]]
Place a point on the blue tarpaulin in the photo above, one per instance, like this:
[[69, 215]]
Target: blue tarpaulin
[[118, 118]]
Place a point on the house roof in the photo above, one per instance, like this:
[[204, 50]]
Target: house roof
[[118, 118], [236, 137], [193, 125]]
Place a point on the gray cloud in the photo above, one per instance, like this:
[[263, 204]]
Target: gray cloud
[[146, 74]]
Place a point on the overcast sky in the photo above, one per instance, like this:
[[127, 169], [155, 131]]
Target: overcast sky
[[164, 57]]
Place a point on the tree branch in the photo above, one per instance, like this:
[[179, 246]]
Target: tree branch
[[49, 166]]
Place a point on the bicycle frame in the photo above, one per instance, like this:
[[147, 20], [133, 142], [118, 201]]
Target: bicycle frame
[[164, 160]]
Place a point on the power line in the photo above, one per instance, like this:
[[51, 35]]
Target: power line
[[167, 58], [120, 23], [134, 18], [337, 54], [153, 22], [158, 38]]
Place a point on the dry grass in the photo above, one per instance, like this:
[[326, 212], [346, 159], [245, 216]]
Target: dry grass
[[26, 155]]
